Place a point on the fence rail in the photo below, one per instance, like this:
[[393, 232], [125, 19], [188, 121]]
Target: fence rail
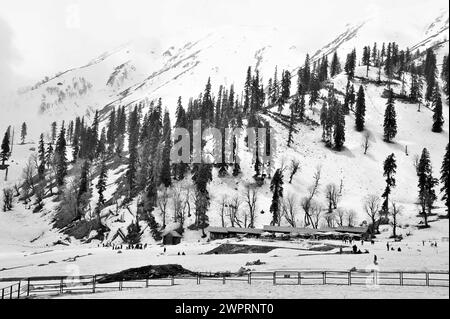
[[36, 286]]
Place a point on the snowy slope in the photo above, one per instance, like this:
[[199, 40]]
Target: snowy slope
[[135, 72]]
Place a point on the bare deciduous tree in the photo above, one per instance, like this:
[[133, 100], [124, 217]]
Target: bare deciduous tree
[[333, 196], [289, 209], [395, 212], [251, 198], [163, 200], [372, 208], [312, 192], [316, 213], [233, 211], [351, 218], [340, 216]]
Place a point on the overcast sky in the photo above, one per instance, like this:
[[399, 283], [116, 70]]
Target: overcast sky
[[40, 37]]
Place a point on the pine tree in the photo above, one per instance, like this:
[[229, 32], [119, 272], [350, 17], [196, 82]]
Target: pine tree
[[41, 158], [101, 144], [444, 179], [61, 157], [314, 90], [350, 64], [285, 90], [390, 169], [166, 177], [84, 181], [276, 187], [53, 132], [49, 154], [101, 184], [133, 138], [360, 110], [339, 127], [430, 73], [4, 155], [248, 88], [366, 59], [438, 118], [445, 76], [23, 132], [335, 65], [427, 182], [390, 119], [291, 127], [416, 88], [180, 169]]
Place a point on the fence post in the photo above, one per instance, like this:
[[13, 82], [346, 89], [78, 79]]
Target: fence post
[[172, 281], [324, 277], [299, 278], [427, 279], [401, 278], [349, 278], [93, 283], [146, 283], [10, 292], [249, 278], [274, 278], [61, 285], [223, 280], [28, 288], [18, 291], [3, 293]]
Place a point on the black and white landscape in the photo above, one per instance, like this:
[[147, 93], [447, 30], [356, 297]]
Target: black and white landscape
[[344, 186]]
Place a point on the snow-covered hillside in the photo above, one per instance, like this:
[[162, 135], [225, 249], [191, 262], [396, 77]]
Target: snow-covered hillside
[[135, 72]]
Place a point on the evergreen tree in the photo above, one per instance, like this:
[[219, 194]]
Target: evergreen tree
[[430, 73], [166, 177], [248, 89], [445, 75], [61, 157], [276, 187], [360, 110], [390, 119], [350, 64], [416, 88], [390, 169], [23, 132], [133, 138], [427, 182], [4, 155], [335, 65], [41, 157], [314, 90], [285, 89], [101, 184], [180, 169], [53, 132], [339, 127], [306, 74], [49, 155], [438, 118], [444, 179], [101, 144], [366, 59]]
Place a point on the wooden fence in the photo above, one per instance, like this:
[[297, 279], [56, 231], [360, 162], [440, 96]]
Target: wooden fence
[[47, 286]]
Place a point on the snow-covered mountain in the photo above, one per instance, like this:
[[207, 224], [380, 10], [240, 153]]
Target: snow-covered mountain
[[134, 72], [137, 71]]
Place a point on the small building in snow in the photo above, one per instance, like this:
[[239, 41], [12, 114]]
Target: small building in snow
[[171, 238]]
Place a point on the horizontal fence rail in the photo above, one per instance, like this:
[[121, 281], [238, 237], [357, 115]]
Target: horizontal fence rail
[[56, 285]]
